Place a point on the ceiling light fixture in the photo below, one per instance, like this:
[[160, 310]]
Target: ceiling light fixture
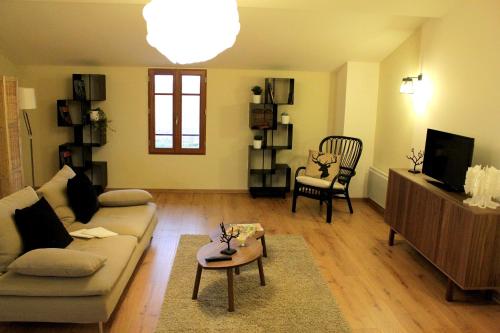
[[408, 86], [191, 31]]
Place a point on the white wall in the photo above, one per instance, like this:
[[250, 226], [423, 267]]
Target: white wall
[[7, 68], [340, 99], [356, 110], [460, 60], [228, 134]]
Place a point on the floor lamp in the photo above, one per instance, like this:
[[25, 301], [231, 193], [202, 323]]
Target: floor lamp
[[27, 101]]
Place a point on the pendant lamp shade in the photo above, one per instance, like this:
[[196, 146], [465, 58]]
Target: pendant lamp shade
[[191, 31]]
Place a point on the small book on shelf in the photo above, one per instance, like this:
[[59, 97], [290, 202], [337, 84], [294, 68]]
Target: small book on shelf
[[65, 158], [65, 115]]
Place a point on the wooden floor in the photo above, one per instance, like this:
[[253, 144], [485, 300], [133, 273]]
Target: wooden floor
[[378, 288]]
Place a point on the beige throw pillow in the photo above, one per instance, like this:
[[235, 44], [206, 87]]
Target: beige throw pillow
[[322, 165], [54, 191], [57, 262], [11, 245], [118, 198]]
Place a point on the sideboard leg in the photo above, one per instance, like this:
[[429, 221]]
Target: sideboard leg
[[101, 327], [391, 237], [449, 290]]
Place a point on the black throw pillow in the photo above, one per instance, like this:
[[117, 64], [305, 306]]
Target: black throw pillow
[[40, 227], [82, 197]]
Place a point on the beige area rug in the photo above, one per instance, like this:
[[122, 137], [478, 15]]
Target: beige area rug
[[295, 298]]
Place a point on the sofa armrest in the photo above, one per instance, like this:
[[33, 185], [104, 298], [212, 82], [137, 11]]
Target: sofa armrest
[[121, 198]]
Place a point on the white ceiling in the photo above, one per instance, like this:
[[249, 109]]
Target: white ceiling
[[275, 34]]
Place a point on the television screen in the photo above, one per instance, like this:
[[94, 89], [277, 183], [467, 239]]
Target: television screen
[[447, 157]]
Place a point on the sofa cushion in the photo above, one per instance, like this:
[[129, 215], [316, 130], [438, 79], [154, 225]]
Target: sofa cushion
[[11, 245], [121, 198], [117, 250], [131, 221], [322, 165], [82, 197], [55, 193], [57, 262], [40, 227]]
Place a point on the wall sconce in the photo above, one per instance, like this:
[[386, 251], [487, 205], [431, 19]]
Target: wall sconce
[[407, 85]]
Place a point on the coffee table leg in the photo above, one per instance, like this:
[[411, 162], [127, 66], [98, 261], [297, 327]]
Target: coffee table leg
[[237, 270], [197, 282], [264, 249], [261, 272], [230, 291]]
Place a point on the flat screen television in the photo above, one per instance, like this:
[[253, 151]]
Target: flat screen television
[[447, 157]]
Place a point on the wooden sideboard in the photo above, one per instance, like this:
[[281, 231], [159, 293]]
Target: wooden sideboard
[[463, 242]]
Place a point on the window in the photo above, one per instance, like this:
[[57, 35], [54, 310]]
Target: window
[[177, 99]]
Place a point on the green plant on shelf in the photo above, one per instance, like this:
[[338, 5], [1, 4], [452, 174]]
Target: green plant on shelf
[[257, 90], [99, 121]]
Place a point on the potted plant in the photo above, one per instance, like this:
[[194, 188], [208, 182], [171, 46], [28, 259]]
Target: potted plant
[[257, 142], [257, 94], [99, 123], [285, 118]]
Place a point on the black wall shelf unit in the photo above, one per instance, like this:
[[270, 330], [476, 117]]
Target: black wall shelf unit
[[86, 135], [266, 176]]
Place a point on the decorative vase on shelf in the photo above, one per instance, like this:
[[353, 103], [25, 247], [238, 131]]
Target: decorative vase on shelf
[[257, 99], [257, 94], [257, 142], [285, 118], [94, 115]]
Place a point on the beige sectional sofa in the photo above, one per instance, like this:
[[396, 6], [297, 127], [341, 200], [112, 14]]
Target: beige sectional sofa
[[89, 299]]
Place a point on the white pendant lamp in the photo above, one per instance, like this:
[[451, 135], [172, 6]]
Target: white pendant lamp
[[191, 31]]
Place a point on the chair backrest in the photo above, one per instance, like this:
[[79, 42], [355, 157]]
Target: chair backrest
[[349, 148]]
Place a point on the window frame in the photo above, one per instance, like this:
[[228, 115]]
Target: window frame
[[176, 110]]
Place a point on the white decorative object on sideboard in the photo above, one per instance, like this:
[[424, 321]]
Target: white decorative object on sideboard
[[483, 183]]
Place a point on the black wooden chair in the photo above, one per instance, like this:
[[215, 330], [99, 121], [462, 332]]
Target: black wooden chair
[[323, 190]]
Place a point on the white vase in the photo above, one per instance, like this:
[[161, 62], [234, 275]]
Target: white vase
[[94, 115], [257, 144], [257, 99], [285, 120]]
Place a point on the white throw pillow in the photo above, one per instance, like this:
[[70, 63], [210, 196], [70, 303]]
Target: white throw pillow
[[54, 191], [11, 245], [119, 198], [57, 262]]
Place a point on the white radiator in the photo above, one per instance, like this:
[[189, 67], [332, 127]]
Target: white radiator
[[377, 185]]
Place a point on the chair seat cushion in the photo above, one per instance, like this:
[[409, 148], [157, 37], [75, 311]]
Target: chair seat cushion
[[317, 182]]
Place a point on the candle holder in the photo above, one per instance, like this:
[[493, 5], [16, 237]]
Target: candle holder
[[226, 238], [416, 159]]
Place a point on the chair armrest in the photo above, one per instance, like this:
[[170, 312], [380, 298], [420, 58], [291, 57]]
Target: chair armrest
[[334, 180], [298, 171]]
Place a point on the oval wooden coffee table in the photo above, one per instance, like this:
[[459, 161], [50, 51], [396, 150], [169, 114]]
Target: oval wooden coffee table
[[245, 255]]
